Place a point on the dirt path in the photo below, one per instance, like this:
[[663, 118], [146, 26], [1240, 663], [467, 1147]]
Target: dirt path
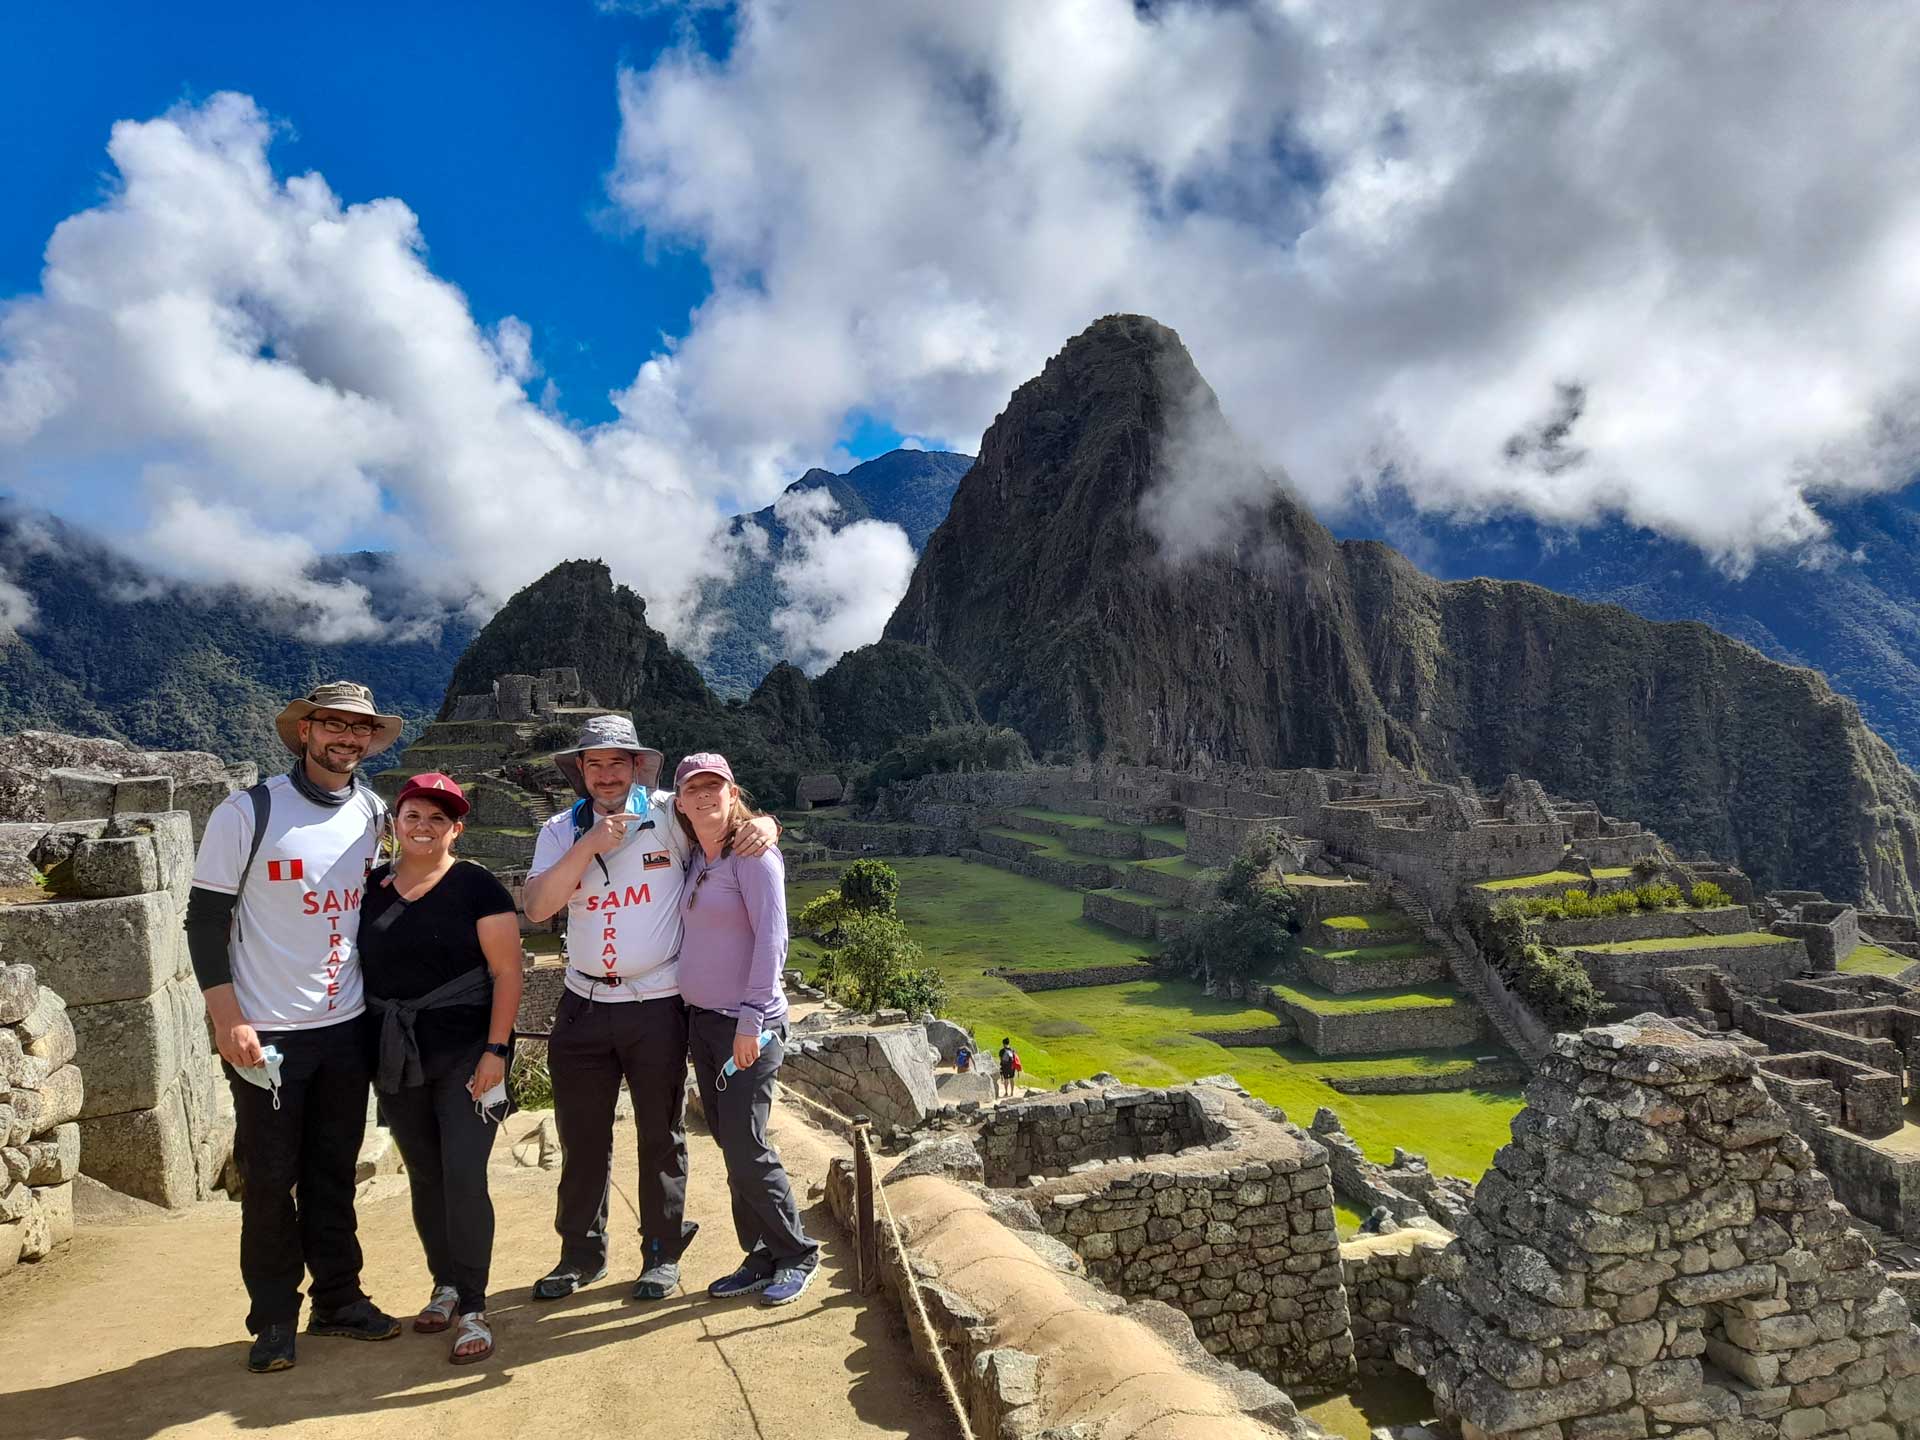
[[137, 1332]]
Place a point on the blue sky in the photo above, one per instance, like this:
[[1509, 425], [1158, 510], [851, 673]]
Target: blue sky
[[818, 228], [495, 123]]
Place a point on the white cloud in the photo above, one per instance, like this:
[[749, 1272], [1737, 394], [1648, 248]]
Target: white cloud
[[259, 373], [1394, 236], [16, 608], [839, 586]]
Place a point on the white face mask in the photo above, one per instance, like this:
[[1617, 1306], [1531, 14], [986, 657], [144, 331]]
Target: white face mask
[[484, 1105], [266, 1074]]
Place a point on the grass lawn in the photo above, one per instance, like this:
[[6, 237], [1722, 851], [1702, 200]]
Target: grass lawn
[[1612, 872], [1368, 1002], [1870, 959], [1685, 942], [1078, 822], [1372, 920], [1137, 897], [1052, 847], [1409, 950], [1167, 834], [1322, 882], [1523, 882], [1174, 865], [971, 917], [542, 943]]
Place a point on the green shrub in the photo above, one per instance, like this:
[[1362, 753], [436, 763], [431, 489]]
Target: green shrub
[[1555, 986], [875, 965], [1250, 926], [952, 748], [529, 1080], [1658, 897], [1706, 895], [822, 916], [869, 887]]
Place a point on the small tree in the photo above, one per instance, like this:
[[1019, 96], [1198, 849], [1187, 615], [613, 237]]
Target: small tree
[[1251, 925], [869, 887], [875, 965]]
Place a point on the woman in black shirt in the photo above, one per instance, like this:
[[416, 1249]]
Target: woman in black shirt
[[440, 956]]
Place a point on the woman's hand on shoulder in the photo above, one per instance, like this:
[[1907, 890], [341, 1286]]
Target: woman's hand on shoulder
[[756, 836]]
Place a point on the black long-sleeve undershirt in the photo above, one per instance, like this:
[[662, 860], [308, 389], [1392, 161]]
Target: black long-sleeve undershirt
[[209, 927]]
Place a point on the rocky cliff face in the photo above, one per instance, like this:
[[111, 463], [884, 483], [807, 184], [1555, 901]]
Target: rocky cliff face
[[1099, 601]]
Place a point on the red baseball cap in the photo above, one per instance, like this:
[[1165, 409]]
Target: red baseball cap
[[704, 762], [441, 789]]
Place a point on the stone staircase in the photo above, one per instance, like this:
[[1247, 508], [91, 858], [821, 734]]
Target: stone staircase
[[1471, 973]]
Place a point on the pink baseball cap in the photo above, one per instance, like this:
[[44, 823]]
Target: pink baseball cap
[[704, 763]]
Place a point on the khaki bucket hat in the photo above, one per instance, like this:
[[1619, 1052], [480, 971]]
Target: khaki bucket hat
[[347, 698], [609, 732]]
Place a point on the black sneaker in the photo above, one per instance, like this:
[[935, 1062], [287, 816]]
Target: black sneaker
[[564, 1279], [362, 1320], [272, 1350]]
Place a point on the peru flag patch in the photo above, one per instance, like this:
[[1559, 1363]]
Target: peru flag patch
[[283, 870]]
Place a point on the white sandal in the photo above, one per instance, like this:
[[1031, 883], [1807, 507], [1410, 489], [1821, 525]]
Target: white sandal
[[473, 1326], [437, 1314]]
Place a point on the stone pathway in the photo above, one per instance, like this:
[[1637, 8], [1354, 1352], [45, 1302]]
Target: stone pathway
[[137, 1332]]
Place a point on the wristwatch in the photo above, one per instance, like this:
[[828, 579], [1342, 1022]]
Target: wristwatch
[[503, 1051]]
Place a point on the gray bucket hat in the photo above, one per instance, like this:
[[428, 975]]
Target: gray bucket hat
[[608, 732]]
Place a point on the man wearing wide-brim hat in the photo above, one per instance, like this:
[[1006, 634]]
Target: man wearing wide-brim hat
[[616, 861], [273, 926]]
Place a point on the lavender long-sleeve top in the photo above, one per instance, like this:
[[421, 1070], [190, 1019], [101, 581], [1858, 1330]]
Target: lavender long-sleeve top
[[733, 916]]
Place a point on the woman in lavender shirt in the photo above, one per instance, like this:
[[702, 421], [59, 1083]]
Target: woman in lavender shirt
[[733, 913]]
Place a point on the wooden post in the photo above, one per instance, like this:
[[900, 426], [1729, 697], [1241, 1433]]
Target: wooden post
[[866, 1237]]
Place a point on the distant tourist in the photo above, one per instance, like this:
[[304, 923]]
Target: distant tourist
[[272, 926], [733, 913], [963, 1060], [1009, 1067], [440, 953], [616, 862]]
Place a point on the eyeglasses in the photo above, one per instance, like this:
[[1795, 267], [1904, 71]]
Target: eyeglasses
[[698, 880], [334, 725]]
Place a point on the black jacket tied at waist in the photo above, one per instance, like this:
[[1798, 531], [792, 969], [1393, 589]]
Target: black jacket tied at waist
[[399, 1062]]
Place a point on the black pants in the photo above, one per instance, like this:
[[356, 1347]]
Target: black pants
[[296, 1169], [445, 1143], [765, 1216], [594, 1047]]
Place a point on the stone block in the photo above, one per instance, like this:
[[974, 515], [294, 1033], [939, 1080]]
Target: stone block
[[19, 985], [145, 1153], [13, 1234], [97, 951], [56, 1206], [170, 832], [102, 867], [142, 794], [56, 1159], [58, 1100], [77, 795], [131, 1051]]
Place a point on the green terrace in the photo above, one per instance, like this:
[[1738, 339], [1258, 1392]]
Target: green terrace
[[1374, 922], [1870, 959], [974, 915], [1051, 847], [1569, 878], [1166, 834], [1174, 865], [1309, 996], [1371, 954], [1742, 941], [970, 918], [1136, 897]]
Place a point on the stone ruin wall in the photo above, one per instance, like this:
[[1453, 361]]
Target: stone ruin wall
[[155, 1120], [1657, 1253], [41, 1093], [1199, 1197]]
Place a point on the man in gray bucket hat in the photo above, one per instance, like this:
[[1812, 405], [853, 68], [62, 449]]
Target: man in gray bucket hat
[[615, 861]]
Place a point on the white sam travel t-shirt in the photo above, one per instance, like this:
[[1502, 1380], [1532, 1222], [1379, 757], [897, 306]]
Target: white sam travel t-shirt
[[296, 962]]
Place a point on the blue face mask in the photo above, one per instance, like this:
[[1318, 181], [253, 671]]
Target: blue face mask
[[731, 1068], [266, 1074]]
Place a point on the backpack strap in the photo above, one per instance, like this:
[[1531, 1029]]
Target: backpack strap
[[262, 808]]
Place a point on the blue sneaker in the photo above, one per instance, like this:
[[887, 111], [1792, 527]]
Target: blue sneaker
[[789, 1284], [747, 1280]]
